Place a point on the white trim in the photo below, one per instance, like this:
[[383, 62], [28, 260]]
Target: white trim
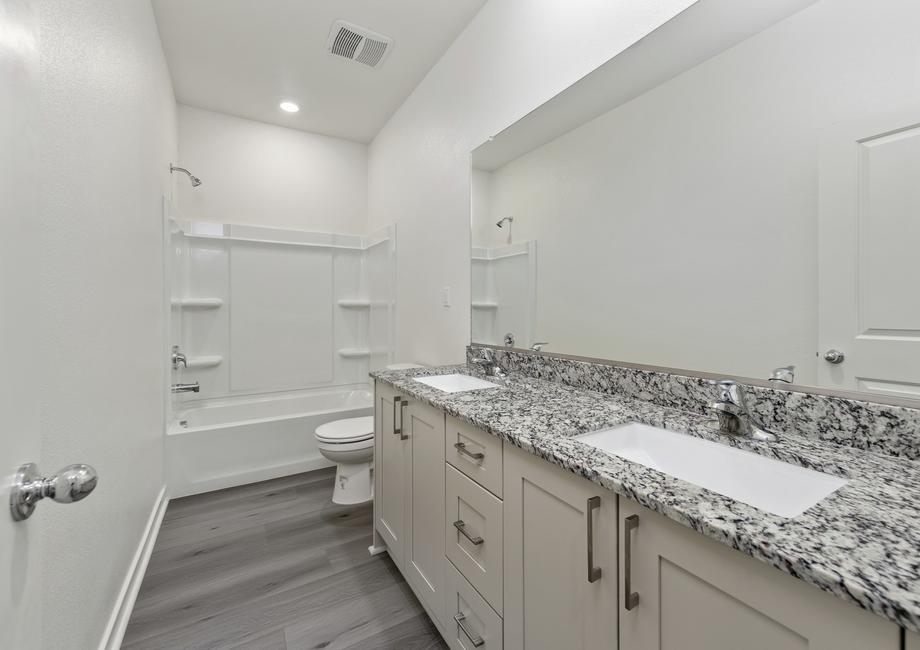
[[124, 604]]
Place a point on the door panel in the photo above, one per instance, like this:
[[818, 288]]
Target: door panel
[[389, 473], [549, 601], [869, 233], [425, 550], [20, 542], [697, 594]]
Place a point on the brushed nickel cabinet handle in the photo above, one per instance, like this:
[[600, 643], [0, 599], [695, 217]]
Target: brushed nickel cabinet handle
[[461, 447], [632, 598], [594, 572], [461, 526], [402, 419], [396, 401], [475, 640]]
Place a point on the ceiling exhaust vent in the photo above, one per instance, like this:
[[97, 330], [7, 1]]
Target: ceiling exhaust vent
[[358, 44]]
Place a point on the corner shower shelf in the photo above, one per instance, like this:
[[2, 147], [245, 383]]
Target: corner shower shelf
[[354, 353], [197, 303], [484, 305], [355, 304], [209, 361]]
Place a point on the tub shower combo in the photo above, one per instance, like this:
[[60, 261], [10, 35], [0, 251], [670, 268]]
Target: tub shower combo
[[272, 334]]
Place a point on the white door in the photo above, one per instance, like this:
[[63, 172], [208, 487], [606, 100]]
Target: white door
[[869, 245], [20, 543]]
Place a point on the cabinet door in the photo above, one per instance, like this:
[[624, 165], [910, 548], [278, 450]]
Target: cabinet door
[[425, 541], [697, 594], [390, 455], [558, 527], [912, 642]]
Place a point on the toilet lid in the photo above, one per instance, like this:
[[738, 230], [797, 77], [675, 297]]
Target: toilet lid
[[347, 430]]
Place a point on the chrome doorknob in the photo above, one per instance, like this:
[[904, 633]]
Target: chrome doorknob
[[73, 483], [834, 356]]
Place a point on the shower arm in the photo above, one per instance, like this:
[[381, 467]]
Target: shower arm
[[195, 180]]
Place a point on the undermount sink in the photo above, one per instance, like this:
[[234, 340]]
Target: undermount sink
[[455, 383], [764, 483]]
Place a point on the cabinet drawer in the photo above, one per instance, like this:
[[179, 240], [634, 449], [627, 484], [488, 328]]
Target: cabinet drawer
[[468, 617], [474, 535], [475, 453]]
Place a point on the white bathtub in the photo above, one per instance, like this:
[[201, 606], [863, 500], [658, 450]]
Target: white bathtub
[[242, 440]]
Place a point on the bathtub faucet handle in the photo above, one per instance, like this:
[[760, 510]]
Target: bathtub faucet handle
[[178, 357]]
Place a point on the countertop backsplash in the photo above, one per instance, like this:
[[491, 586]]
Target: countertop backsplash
[[880, 428]]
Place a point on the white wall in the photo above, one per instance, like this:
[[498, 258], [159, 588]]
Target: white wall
[[107, 136], [264, 175], [513, 56], [681, 228]]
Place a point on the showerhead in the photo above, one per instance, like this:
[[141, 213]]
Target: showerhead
[[194, 179], [502, 221]]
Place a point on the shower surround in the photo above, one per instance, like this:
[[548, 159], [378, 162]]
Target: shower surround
[[280, 328]]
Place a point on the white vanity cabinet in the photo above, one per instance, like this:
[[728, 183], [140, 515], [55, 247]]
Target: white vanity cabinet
[[424, 560], [679, 589], [508, 551], [912, 642], [560, 563], [391, 455], [409, 491]]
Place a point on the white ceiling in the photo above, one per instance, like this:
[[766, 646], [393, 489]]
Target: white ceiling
[[243, 57]]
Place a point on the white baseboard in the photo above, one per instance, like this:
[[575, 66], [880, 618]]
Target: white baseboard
[[124, 605]]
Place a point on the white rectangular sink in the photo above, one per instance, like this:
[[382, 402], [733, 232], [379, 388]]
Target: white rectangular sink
[[767, 484], [455, 383]]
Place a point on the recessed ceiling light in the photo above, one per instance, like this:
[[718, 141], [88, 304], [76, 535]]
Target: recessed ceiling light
[[289, 107]]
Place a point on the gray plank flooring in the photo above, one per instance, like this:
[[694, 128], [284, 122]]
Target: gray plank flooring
[[273, 566]]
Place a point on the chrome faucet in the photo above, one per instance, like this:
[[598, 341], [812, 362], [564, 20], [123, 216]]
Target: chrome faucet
[[734, 416], [185, 388], [178, 357], [486, 360], [538, 346]]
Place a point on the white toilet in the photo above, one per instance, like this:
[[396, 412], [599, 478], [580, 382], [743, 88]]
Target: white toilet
[[350, 444]]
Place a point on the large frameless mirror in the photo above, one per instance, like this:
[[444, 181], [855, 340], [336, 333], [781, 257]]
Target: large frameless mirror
[[745, 202]]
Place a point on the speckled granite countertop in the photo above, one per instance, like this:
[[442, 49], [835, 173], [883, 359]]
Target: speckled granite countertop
[[862, 543]]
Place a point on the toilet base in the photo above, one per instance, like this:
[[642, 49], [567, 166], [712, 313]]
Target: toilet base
[[354, 483]]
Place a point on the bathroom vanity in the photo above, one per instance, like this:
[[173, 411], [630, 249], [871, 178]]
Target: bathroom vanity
[[514, 534], [739, 203]]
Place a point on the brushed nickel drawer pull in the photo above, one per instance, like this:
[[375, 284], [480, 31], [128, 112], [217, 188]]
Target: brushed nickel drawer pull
[[396, 401], [461, 526], [475, 640], [402, 419], [594, 572], [461, 447], [632, 598]]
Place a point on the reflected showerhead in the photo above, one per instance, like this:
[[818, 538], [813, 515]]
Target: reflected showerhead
[[194, 179], [502, 221]]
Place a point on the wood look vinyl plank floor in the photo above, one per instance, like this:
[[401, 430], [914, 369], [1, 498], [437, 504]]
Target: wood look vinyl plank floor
[[273, 566]]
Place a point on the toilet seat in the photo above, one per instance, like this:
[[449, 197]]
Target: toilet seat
[[346, 431]]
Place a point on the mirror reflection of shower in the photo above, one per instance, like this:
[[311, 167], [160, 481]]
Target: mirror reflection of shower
[[500, 224], [195, 180]]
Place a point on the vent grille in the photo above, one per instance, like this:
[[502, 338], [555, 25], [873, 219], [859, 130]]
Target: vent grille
[[358, 44]]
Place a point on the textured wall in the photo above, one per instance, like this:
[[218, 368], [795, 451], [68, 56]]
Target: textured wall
[[107, 137], [513, 56], [265, 175]]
